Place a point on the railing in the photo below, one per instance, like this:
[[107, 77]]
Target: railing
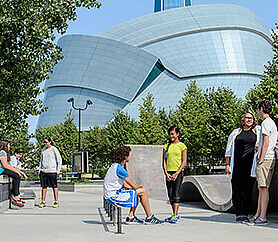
[[211, 164]]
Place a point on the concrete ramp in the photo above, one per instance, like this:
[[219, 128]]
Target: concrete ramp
[[145, 167], [215, 190]]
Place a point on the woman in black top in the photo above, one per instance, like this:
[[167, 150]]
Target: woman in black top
[[240, 163]]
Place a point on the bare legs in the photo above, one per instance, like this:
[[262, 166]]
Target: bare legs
[[175, 208], [262, 202], [55, 194], [144, 200], [44, 190]]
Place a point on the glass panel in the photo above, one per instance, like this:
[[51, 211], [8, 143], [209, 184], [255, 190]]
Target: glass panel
[[160, 5], [155, 72]]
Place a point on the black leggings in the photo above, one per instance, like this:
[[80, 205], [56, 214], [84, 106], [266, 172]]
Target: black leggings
[[15, 182], [174, 188]]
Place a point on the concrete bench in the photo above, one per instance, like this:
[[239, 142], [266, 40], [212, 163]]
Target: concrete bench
[[114, 212], [29, 197], [4, 193]]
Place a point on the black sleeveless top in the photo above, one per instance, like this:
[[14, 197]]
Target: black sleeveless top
[[244, 148]]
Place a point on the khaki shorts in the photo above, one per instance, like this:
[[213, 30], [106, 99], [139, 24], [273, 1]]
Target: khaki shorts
[[264, 172]]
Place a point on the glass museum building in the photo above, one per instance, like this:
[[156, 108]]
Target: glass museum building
[[159, 53]]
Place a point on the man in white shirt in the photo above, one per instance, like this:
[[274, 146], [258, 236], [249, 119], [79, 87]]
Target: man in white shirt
[[265, 163], [14, 160]]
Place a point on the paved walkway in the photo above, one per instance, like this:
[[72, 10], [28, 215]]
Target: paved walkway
[[81, 218]]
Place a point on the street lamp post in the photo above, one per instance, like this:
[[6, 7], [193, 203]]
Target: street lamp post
[[88, 103]]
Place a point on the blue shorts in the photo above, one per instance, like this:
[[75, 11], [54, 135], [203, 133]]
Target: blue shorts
[[124, 198]]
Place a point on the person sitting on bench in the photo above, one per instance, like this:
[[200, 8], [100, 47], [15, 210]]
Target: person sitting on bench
[[10, 171], [120, 190]]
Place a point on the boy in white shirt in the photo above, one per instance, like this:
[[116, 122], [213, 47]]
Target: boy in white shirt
[[265, 164], [14, 160], [118, 188]]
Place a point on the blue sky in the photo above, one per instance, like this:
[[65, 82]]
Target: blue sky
[[114, 12]]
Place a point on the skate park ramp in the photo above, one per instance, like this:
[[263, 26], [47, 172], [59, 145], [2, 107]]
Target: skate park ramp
[[145, 167], [214, 190]]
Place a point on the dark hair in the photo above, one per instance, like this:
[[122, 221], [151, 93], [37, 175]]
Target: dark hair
[[174, 128], [266, 105], [254, 119], [48, 138], [4, 146], [121, 153]]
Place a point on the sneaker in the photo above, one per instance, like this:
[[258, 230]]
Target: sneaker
[[133, 220], [239, 219], [42, 205], [153, 220], [251, 221], [17, 202], [260, 221], [55, 205], [169, 218], [245, 219], [175, 219], [253, 218]]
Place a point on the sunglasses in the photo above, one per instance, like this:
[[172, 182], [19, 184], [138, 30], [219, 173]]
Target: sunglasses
[[45, 142]]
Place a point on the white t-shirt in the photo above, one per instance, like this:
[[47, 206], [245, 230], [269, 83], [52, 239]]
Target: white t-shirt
[[14, 162], [114, 180], [268, 127]]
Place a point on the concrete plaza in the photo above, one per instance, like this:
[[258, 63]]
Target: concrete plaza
[[81, 217]]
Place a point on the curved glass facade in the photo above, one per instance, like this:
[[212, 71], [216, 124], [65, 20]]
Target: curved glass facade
[[108, 72], [213, 44]]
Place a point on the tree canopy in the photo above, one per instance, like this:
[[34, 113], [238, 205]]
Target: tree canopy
[[28, 53], [268, 87]]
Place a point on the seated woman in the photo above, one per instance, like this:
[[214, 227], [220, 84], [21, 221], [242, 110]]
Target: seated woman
[[10, 171]]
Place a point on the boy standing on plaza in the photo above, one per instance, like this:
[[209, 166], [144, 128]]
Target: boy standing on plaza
[[266, 162], [119, 189], [50, 167]]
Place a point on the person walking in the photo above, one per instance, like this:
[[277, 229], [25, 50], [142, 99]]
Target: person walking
[[50, 167], [174, 161], [241, 163], [265, 160], [10, 171]]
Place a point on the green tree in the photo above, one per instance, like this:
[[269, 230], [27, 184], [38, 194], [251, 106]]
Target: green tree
[[225, 111], [191, 117], [64, 136], [95, 143], [28, 53], [164, 118], [150, 130], [20, 138], [121, 130], [268, 86]]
